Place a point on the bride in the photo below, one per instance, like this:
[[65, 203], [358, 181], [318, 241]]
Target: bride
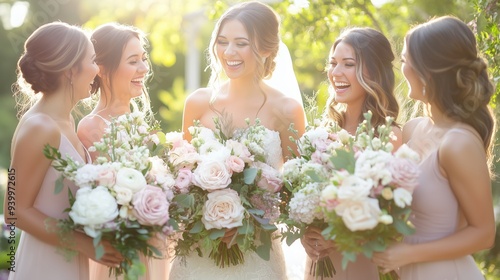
[[243, 48]]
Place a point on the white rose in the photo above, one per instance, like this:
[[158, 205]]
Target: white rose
[[212, 174], [223, 209], [360, 214], [123, 195], [93, 208], [211, 146], [354, 188], [131, 179], [402, 197]]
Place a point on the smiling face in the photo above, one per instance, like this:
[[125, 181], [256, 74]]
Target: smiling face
[[85, 73], [234, 51], [342, 75], [128, 80]]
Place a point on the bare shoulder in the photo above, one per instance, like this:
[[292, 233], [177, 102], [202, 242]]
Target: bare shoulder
[[90, 129], [199, 98], [289, 106], [409, 128], [35, 131], [461, 143]]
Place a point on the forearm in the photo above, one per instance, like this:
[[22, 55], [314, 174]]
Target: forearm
[[464, 242], [43, 227]]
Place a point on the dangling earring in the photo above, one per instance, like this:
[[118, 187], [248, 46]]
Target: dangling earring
[[423, 91], [263, 59]]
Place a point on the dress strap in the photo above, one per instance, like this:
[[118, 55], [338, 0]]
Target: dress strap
[[107, 122]]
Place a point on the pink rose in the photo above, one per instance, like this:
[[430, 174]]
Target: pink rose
[[151, 206], [235, 163], [270, 178], [183, 180], [106, 177], [404, 173]]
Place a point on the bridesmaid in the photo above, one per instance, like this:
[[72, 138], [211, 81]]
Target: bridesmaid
[[452, 206], [361, 78], [124, 68], [55, 72]]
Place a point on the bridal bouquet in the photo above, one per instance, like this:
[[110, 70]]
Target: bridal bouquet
[[232, 194], [366, 203], [124, 196], [306, 176]]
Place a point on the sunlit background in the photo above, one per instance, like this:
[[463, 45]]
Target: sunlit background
[[179, 33]]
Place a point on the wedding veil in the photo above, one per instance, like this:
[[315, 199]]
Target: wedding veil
[[283, 78]]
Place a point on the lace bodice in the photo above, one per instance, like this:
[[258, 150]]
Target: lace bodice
[[274, 152]]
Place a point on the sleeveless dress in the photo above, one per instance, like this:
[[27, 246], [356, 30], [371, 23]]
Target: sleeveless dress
[[362, 269], [36, 259], [436, 214], [255, 267], [156, 269]]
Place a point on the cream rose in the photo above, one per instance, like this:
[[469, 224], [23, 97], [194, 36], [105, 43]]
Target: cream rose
[[151, 206], [212, 174], [354, 188], [360, 214], [93, 208], [223, 209], [131, 179]]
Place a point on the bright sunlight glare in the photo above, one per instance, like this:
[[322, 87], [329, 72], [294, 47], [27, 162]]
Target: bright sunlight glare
[[18, 13]]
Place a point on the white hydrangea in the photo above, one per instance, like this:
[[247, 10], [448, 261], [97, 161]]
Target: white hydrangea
[[303, 206], [373, 165]]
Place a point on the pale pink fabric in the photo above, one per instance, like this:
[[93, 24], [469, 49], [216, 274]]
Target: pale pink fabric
[[436, 214], [36, 259]]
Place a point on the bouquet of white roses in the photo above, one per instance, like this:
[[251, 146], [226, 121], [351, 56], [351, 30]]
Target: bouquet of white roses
[[124, 196], [306, 176], [230, 187], [366, 203]]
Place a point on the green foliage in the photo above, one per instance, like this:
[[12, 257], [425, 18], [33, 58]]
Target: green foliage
[[486, 24]]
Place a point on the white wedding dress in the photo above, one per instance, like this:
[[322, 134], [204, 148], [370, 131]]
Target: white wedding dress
[[254, 267]]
